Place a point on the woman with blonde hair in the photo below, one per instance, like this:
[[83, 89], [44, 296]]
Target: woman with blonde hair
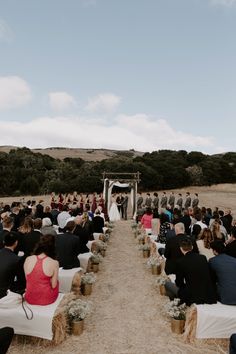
[[204, 242], [216, 231]]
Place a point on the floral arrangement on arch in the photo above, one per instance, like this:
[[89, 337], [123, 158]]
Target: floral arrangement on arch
[[78, 309], [176, 310]]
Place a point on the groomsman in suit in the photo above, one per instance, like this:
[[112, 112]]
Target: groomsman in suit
[[164, 200], [139, 201], [171, 201], [148, 201], [125, 206], [180, 201], [155, 201], [195, 201], [187, 201]]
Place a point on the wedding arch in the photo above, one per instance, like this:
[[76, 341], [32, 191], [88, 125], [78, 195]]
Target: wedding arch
[[121, 180]]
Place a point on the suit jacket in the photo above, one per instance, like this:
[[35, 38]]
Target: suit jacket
[[98, 224], [125, 202], [11, 272], [173, 252], [231, 249], [164, 202], [194, 280], [187, 203], [223, 269], [67, 250], [139, 202]]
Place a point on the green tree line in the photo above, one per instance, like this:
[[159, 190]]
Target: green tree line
[[24, 172]]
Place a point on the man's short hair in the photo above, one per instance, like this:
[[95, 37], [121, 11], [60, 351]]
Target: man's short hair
[[186, 244], [10, 238], [218, 246]]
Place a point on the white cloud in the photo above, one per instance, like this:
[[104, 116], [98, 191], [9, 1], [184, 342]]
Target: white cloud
[[14, 92], [60, 101], [105, 103], [223, 2], [6, 33], [139, 132]]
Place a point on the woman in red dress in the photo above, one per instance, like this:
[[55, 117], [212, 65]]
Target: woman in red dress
[[41, 272]]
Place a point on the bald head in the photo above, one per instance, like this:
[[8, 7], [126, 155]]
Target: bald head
[[179, 228]]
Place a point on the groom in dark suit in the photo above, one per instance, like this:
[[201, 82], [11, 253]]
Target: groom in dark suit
[[125, 206]]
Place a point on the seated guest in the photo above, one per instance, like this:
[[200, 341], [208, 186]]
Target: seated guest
[[29, 236], [87, 225], [231, 243], [41, 271], [98, 222], [63, 217], [172, 249], [48, 213], [164, 227], [146, 219], [6, 335], [68, 247], [7, 225], [216, 230], [186, 220], [193, 282], [11, 266], [223, 269], [47, 227], [204, 243], [82, 233], [196, 230]]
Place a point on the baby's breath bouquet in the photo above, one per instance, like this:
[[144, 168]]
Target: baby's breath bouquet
[[145, 247], [88, 278], [78, 309], [176, 310], [161, 281], [101, 246], [96, 259], [134, 226]]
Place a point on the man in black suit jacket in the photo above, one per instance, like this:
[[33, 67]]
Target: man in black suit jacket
[[230, 249], [11, 266], [193, 282], [67, 247], [172, 249]]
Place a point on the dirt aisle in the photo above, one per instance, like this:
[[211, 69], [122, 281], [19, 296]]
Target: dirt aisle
[[127, 313]]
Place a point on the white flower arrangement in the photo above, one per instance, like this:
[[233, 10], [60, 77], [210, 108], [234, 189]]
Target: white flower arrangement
[[101, 246], [88, 278], [78, 309], [145, 247], [96, 258], [134, 226], [161, 281], [141, 237], [176, 310]]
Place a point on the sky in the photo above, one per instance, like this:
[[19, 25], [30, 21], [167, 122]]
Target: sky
[[118, 74]]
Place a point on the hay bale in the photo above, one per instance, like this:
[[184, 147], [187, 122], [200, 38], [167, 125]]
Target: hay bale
[[76, 283]]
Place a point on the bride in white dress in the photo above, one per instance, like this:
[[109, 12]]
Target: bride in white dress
[[113, 213]]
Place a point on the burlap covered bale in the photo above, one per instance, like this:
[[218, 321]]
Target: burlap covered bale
[[60, 327]]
